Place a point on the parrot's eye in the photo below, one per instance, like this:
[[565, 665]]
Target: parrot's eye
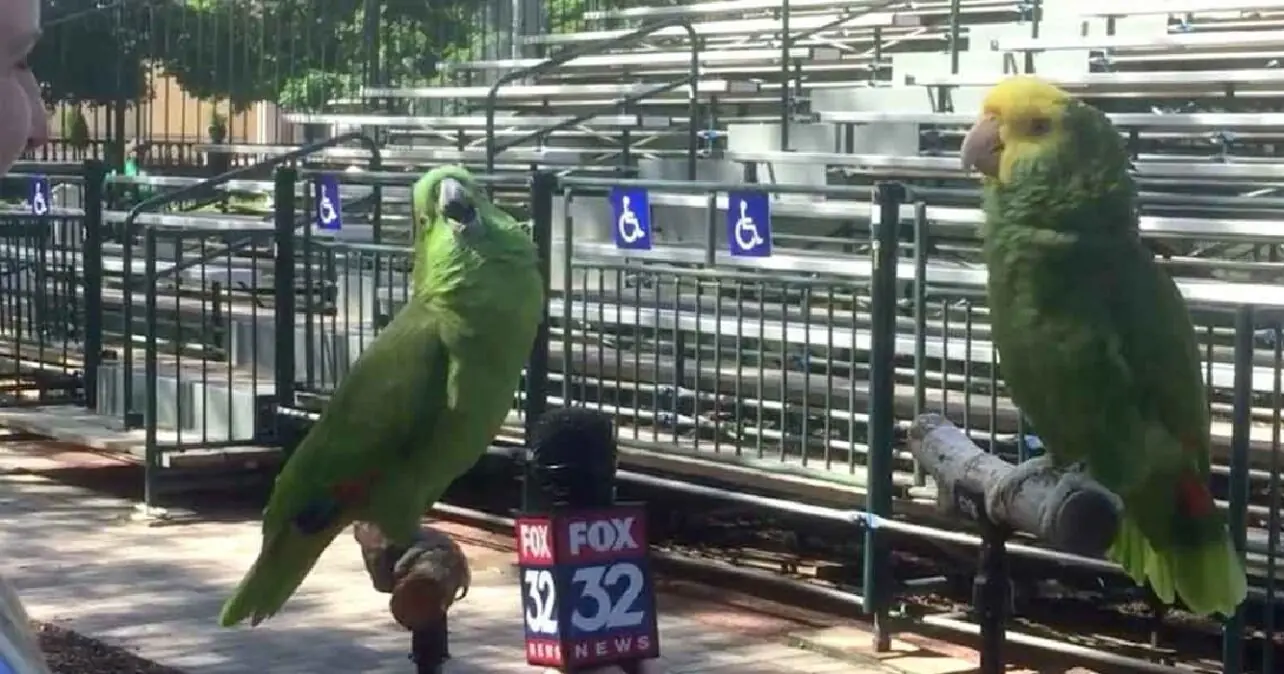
[[1040, 126]]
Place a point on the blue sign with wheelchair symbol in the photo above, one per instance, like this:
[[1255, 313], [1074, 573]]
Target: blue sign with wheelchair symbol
[[39, 198], [749, 224], [328, 212], [631, 212]]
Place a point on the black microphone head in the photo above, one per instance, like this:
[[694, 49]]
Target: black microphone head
[[572, 459], [573, 434]]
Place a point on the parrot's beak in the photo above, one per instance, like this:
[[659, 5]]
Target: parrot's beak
[[982, 147], [456, 204]]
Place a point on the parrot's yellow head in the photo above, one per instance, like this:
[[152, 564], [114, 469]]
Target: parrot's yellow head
[[1040, 149], [1021, 117]]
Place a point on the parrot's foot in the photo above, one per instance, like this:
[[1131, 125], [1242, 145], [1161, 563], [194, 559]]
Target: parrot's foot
[[417, 602], [149, 514]]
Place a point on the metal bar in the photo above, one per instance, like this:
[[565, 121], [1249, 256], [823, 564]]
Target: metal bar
[[542, 186], [786, 41], [1241, 428], [882, 420], [92, 263], [151, 450], [283, 272]]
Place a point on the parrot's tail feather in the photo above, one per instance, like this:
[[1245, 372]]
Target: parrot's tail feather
[[279, 570], [1208, 579]]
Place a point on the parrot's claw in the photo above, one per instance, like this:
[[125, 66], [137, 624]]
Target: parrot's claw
[[998, 495], [1036, 465]]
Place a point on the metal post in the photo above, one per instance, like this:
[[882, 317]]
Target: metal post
[[1241, 425], [151, 451], [920, 321], [430, 648], [877, 577], [542, 186], [786, 42], [283, 271], [92, 268], [991, 592], [955, 35]]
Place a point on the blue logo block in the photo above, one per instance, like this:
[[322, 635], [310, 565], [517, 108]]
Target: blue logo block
[[39, 197], [631, 213], [329, 215], [749, 224], [587, 588]]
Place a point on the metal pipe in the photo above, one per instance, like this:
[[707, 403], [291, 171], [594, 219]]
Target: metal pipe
[[1241, 427], [882, 414], [92, 258], [785, 43], [151, 449], [536, 391], [1064, 648], [283, 278]]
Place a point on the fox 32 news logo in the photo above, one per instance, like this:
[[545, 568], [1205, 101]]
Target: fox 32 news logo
[[587, 589]]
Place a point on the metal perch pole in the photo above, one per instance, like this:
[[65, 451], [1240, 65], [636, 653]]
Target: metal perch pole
[[1063, 508]]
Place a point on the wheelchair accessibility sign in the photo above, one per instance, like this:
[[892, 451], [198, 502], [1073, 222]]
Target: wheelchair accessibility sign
[[631, 213], [749, 224], [328, 216], [39, 198]]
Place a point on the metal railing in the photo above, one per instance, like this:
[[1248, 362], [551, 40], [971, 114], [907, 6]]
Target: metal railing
[[132, 419], [493, 148]]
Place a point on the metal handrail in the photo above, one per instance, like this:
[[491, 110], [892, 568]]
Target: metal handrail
[[148, 205], [693, 102]]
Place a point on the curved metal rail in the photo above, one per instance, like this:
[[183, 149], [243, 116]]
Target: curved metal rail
[[691, 80]]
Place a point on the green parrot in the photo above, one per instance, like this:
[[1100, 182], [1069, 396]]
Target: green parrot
[[423, 401], [1096, 344]]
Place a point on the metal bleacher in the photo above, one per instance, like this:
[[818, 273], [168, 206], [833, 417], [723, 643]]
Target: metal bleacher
[[744, 371]]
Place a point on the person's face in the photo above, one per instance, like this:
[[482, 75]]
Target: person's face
[[22, 115]]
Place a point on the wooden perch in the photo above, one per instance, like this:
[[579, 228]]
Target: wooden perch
[[1064, 508], [424, 579]]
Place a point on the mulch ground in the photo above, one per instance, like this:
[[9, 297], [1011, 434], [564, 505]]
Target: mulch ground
[[71, 653]]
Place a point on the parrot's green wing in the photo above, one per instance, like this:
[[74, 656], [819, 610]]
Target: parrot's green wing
[[1157, 342], [389, 399]]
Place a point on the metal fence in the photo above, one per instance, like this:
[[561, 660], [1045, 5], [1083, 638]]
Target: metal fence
[[793, 375], [807, 369]]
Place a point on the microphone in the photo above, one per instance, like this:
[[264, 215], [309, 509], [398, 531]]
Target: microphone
[[572, 461], [587, 589]]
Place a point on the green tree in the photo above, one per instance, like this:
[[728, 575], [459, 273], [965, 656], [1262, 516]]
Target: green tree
[[301, 53], [91, 54]]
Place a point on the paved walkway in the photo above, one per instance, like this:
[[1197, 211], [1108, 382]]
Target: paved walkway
[[80, 561]]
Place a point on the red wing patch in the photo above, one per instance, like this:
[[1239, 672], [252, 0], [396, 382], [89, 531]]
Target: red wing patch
[[1193, 498], [355, 490]]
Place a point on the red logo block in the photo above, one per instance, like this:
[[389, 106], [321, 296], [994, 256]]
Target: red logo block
[[587, 590], [585, 538]]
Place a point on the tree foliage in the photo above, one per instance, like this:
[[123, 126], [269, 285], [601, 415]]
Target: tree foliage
[[302, 54], [85, 56]]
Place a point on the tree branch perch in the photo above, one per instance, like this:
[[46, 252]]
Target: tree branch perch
[[1064, 508]]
